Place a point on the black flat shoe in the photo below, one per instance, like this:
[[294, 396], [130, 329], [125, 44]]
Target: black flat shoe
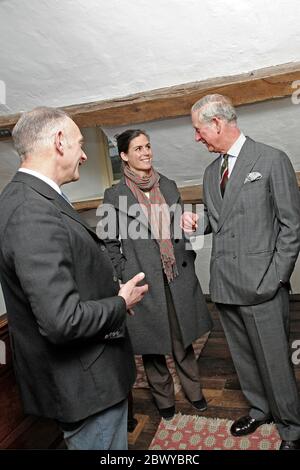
[[246, 425], [200, 405], [167, 413]]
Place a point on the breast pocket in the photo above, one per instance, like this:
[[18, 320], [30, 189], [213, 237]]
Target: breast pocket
[[253, 190]]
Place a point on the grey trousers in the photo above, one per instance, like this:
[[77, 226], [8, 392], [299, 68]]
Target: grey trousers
[[158, 375], [257, 336]]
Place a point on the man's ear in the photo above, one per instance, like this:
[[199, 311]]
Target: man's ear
[[59, 142], [218, 123]]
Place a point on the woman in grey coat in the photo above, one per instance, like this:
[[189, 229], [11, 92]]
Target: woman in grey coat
[[142, 233]]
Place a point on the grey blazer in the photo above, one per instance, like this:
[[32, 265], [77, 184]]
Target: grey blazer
[[60, 290], [256, 227], [149, 327]]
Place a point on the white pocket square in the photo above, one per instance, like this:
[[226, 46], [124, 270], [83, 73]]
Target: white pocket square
[[252, 177]]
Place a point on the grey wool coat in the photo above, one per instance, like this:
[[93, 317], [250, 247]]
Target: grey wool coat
[[149, 327]]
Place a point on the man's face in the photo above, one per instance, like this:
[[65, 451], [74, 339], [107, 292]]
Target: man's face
[[207, 132], [73, 155]]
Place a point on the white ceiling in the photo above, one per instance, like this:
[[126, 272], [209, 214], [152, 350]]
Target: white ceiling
[[62, 52]]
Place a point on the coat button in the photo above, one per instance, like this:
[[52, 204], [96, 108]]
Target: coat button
[[234, 256], [115, 279], [102, 248], [184, 264], [233, 235]]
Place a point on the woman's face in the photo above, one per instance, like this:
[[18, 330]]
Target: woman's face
[[139, 155]]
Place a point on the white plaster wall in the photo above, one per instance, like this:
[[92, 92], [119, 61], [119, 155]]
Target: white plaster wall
[[93, 173], [176, 154], [179, 157], [9, 162], [275, 122], [61, 52]]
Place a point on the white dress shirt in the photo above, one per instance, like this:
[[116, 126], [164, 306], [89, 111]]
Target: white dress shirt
[[43, 178], [234, 151]]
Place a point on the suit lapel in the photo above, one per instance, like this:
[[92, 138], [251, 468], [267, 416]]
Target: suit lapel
[[213, 185], [67, 209], [48, 192], [126, 200], [242, 167], [123, 190]]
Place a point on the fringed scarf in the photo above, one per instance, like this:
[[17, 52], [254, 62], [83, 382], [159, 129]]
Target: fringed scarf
[[157, 213]]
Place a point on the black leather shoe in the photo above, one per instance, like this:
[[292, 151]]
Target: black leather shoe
[[290, 445], [200, 405], [167, 413], [246, 425]]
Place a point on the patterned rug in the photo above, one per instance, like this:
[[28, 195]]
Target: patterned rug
[[185, 432], [141, 379]]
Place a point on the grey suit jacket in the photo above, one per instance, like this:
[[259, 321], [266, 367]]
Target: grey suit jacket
[[256, 227], [60, 290]]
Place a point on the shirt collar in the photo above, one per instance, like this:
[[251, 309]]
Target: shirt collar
[[237, 146], [41, 177]]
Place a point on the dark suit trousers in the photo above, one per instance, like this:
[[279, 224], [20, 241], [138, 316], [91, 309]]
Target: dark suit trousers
[[158, 375], [258, 340]]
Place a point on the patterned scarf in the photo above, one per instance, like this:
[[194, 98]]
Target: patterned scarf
[[157, 213]]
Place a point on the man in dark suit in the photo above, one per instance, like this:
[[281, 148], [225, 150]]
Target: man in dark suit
[[66, 312], [252, 208]]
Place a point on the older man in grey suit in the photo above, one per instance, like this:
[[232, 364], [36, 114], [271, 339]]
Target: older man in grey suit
[[66, 312], [252, 208]]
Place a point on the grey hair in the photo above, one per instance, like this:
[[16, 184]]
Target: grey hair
[[34, 126], [215, 105]]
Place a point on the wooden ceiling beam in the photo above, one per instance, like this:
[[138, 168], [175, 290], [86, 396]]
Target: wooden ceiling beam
[[258, 85], [189, 195]]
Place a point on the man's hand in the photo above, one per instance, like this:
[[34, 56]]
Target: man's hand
[[132, 293], [188, 222]]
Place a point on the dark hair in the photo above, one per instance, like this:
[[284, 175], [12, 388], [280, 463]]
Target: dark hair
[[124, 139]]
